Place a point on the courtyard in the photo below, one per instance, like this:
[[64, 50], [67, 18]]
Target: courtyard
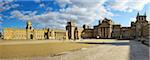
[[89, 49]]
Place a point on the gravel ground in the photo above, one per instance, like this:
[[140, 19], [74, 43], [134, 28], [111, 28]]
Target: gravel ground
[[119, 50]]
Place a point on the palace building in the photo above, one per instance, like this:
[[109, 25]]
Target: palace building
[[31, 33], [139, 30], [102, 30]]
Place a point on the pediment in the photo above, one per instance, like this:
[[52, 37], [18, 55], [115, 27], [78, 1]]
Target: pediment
[[104, 25]]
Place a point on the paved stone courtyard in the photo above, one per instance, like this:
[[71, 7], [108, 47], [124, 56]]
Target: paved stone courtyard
[[121, 50], [118, 50]]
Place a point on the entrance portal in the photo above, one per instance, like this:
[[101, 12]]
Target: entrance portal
[[31, 36]]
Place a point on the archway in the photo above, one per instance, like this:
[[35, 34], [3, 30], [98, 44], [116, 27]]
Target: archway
[[31, 36]]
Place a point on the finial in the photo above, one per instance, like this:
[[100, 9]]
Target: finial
[[138, 14], [145, 13], [99, 21]]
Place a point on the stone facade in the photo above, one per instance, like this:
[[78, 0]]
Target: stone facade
[[105, 29], [139, 25], [30, 33], [73, 32], [146, 34], [87, 35], [10, 33], [102, 30], [71, 28], [125, 33], [116, 33], [139, 30]]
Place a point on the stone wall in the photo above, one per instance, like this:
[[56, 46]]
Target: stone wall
[[10, 33], [39, 34], [116, 31], [87, 33], [30, 33]]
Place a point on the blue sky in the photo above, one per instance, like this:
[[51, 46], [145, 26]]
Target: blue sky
[[55, 13]]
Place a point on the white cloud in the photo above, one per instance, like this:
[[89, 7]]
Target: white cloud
[[51, 19], [14, 5], [42, 5], [37, 1], [48, 9], [133, 19], [17, 14], [128, 5], [6, 5], [81, 11], [85, 11], [63, 3], [1, 19]]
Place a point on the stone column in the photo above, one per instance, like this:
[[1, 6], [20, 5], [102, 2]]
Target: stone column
[[109, 31]]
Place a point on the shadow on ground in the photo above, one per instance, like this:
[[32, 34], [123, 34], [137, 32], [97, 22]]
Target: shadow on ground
[[137, 51], [107, 43]]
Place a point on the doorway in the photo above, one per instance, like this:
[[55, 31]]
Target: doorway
[[31, 36]]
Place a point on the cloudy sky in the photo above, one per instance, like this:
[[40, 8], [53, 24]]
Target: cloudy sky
[[55, 13]]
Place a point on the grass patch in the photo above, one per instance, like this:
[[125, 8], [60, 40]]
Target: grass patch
[[39, 49]]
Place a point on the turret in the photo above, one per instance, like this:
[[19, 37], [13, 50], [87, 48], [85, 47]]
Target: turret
[[84, 26], [145, 14], [99, 22], [29, 25], [138, 14], [29, 30]]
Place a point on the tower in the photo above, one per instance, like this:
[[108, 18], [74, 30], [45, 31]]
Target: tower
[[29, 25], [141, 18], [29, 30], [71, 29], [141, 21]]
